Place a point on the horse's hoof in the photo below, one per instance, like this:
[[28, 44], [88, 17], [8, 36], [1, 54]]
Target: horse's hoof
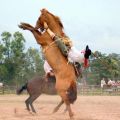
[[34, 113], [64, 112], [72, 116], [55, 110], [27, 109]]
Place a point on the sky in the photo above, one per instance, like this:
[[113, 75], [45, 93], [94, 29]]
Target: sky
[[87, 22]]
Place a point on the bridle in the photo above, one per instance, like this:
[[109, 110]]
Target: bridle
[[48, 46]]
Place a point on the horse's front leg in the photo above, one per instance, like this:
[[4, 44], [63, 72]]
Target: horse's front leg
[[68, 107], [66, 101]]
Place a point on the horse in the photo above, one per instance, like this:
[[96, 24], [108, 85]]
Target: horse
[[35, 87], [65, 73]]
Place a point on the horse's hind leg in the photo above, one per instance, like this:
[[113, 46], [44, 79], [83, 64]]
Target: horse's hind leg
[[32, 98], [58, 106], [27, 103]]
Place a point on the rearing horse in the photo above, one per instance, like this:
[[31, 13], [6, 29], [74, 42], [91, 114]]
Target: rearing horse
[[64, 73]]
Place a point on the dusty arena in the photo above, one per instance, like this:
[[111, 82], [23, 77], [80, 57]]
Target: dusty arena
[[12, 107]]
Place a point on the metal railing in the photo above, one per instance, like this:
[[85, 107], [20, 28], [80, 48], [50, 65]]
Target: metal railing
[[97, 90], [82, 90]]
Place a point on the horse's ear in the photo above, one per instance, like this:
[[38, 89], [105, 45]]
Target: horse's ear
[[43, 10]]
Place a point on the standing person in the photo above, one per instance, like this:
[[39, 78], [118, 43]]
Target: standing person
[[48, 71], [103, 83], [110, 82]]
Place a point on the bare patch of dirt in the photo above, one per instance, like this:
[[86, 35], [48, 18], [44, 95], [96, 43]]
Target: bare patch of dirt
[[12, 107]]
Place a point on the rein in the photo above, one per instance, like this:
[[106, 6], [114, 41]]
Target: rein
[[47, 47], [106, 65]]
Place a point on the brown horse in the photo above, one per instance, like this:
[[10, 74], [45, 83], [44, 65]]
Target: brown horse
[[35, 87], [64, 73]]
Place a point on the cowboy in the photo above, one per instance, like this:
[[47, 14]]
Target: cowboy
[[66, 47], [48, 71]]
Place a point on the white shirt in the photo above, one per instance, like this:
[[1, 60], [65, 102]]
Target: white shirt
[[110, 82], [75, 56], [102, 83], [47, 67]]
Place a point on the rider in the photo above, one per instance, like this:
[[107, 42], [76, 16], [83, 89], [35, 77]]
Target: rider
[[48, 70], [68, 50]]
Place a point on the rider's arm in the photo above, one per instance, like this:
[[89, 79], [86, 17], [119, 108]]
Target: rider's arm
[[52, 35]]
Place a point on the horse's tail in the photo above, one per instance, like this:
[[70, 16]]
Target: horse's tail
[[19, 90], [72, 93]]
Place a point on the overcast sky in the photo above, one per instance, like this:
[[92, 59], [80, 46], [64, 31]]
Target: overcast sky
[[87, 22]]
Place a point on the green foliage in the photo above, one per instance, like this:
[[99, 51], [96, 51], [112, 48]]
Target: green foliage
[[34, 63], [16, 65], [102, 65]]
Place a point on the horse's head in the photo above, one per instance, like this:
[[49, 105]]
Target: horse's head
[[42, 18], [53, 21]]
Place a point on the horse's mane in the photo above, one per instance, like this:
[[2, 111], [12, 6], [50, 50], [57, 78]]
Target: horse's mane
[[56, 18]]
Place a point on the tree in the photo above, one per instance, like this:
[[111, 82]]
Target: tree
[[5, 55], [103, 65], [16, 65], [11, 54], [34, 63], [18, 55]]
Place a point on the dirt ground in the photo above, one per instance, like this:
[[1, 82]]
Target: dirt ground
[[12, 107]]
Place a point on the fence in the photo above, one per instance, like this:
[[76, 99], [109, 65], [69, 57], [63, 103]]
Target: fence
[[8, 90], [82, 90], [97, 90]]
